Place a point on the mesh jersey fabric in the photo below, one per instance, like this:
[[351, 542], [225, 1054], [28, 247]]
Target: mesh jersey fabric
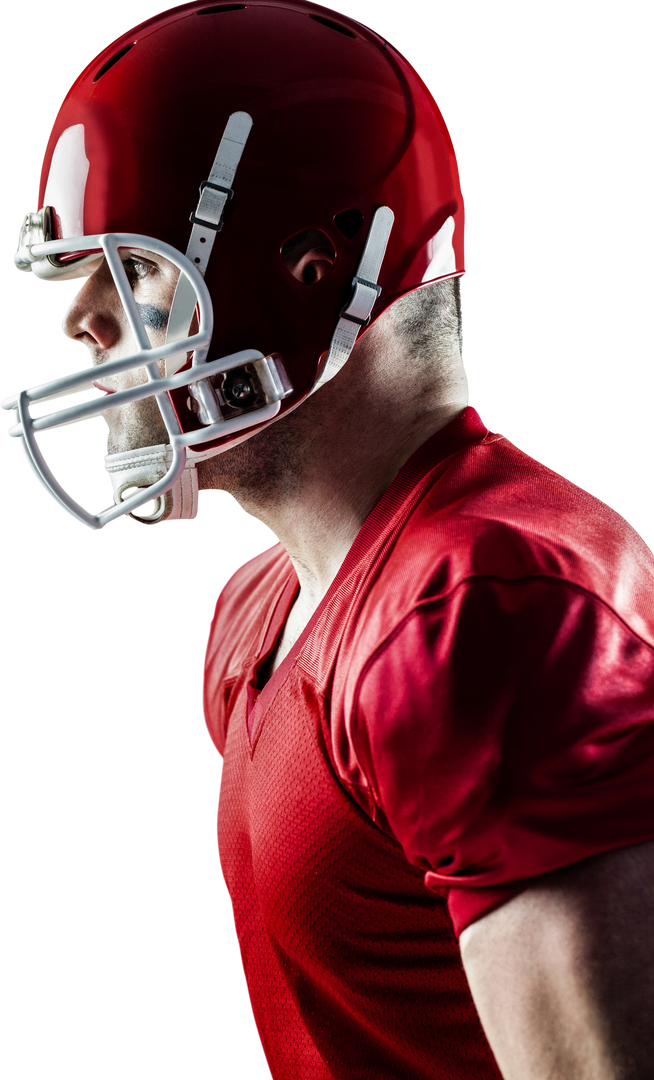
[[470, 707]]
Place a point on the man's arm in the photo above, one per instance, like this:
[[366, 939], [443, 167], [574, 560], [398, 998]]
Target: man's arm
[[563, 974]]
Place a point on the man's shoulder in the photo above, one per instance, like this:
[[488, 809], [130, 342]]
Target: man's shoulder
[[507, 629], [498, 511], [491, 511]]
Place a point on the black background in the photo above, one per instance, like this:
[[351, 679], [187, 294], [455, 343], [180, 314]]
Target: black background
[[119, 921]]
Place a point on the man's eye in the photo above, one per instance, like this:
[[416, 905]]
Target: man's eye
[[136, 270]]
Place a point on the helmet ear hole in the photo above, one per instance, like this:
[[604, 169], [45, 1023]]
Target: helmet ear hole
[[348, 222], [301, 242], [310, 240]]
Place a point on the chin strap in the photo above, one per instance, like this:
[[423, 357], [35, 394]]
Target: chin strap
[[132, 470], [207, 220], [365, 290]]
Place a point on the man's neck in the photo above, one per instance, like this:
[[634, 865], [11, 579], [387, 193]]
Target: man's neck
[[314, 476], [333, 497]]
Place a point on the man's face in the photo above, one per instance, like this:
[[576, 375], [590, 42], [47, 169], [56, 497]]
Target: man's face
[[98, 320]]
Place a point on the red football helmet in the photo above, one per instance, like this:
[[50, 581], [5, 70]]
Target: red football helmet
[[288, 117]]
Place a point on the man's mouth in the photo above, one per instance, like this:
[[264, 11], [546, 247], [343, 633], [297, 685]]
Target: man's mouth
[[105, 389]]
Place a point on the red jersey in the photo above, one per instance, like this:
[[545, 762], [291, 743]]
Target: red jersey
[[470, 706]]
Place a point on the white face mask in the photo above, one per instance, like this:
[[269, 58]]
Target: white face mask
[[152, 474]]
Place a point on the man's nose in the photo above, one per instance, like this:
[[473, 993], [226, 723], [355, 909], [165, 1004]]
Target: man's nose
[[96, 316]]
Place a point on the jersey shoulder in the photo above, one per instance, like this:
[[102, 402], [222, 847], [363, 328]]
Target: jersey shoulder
[[495, 512]]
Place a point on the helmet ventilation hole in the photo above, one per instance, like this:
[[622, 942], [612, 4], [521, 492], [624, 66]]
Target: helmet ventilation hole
[[113, 61], [313, 242], [217, 8], [348, 222], [332, 26]]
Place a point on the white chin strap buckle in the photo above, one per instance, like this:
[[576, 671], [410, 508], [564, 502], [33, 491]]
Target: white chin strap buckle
[[141, 468]]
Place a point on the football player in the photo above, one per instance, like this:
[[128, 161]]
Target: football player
[[435, 697]]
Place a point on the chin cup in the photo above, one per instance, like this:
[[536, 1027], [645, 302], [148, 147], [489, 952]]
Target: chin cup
[[141, 468]]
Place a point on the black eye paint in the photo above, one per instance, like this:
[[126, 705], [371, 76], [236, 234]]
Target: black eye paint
[[154, 317]]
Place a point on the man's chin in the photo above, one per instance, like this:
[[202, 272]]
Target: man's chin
[[134, 426]]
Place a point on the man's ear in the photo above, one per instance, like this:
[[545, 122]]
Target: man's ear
[[311, 266]]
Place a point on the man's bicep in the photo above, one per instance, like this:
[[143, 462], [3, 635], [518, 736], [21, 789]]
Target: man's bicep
[[563, 974]]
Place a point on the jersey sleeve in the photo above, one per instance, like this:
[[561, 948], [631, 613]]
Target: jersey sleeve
[[507, 731]]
